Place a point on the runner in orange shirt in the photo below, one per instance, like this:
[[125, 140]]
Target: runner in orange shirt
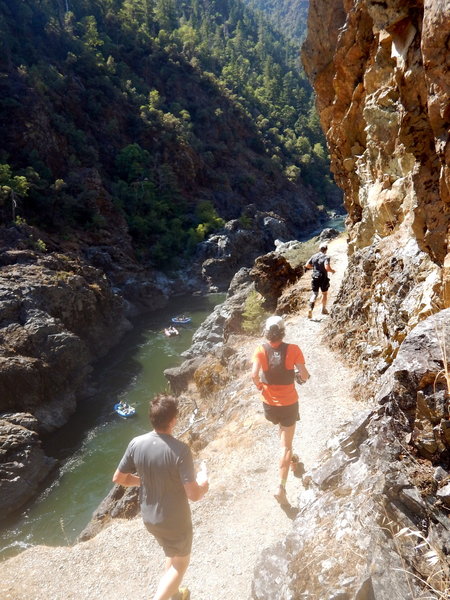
[[276, 366]]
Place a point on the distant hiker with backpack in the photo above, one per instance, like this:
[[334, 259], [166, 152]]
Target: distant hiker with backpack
[[320, 263], [276, 367], [163, 468]]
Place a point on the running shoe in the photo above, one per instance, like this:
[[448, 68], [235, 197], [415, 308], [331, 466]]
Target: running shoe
[[280, 496], [182, 594]]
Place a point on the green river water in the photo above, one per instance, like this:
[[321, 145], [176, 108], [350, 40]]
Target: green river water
[[91, 445]]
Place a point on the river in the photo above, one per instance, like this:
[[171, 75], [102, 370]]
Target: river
[[92, 443]]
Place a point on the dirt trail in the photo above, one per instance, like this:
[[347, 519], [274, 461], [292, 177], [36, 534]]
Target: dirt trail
[[237, 519]]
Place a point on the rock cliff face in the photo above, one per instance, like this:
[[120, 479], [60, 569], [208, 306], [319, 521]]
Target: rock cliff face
[[57, 315], [380, 70]]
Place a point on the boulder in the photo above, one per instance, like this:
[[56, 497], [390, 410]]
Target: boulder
[[179, 377], [328, 234], [23, 464], [238, 245], [271, 273], [120, 503]]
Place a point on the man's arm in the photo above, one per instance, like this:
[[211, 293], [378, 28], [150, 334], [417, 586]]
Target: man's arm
[[303, 372], [126, 479], [329, 268], [255, 374], [195, 491]]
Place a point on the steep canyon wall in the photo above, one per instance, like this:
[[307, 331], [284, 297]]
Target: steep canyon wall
[[380, 71]]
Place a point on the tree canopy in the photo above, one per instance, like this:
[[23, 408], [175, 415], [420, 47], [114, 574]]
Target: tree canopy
[[170, 102]]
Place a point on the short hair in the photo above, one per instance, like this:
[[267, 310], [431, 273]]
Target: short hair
[[323, 247], [274, 329], [162, 409]]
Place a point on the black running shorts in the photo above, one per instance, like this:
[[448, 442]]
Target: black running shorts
[[320, 283], [174, 543], [282, 415]]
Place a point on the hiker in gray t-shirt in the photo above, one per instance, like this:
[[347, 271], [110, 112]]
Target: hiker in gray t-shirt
[[163, 468]]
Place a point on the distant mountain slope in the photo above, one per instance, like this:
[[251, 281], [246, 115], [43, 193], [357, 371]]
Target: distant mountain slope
[[158, 118], [290, 16]]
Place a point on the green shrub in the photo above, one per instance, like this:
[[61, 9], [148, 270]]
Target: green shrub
[[246, 222], [254, 314], [210, 377], [40, 245]]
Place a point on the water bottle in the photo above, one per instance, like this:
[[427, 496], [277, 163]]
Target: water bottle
[[202, 475]]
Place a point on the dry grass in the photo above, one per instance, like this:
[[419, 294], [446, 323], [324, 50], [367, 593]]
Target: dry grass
[[437, 579], [429, 566], [445, 372]]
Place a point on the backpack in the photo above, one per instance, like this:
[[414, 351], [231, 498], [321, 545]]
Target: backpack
[[277, 374]]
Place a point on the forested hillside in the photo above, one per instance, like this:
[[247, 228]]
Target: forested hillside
[[290, 16], [158, 118]]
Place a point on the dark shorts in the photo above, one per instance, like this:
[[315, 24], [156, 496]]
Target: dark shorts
[[174, 543], [320, 283], [282, 415]]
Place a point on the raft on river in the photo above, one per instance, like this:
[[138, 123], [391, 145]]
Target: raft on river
[[181, 320], [171, 331], [124, 410]]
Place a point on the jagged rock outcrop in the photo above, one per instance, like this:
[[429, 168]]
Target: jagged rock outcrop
[[213, 333], [271, 274], [23, 464], [240, 243], [179, 377], [57, 316], [121, 502], [418, 384], [379, 70], [371, 522]]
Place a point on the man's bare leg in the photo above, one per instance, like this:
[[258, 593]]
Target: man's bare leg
[[286, 438], [312, 301], [170, 582], [324, 302]]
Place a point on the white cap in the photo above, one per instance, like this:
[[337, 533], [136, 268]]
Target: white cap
[[275, 320]]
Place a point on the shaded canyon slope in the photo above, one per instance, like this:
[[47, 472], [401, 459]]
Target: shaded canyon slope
[[374, 521]]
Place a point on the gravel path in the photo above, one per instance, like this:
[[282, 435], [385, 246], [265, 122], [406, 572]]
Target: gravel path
[[235, 521]]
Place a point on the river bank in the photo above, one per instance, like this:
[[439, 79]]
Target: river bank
[[238, 517], [85, 446], [64, 310]]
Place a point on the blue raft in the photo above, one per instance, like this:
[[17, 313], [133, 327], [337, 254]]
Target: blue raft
[[124, 410]]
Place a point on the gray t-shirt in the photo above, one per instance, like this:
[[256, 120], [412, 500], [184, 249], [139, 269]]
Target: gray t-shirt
[[164, 465], [319, 262]]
